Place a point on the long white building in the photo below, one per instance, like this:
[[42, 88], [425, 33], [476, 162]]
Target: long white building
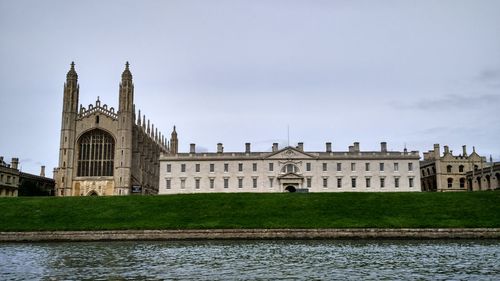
[[290, 169]]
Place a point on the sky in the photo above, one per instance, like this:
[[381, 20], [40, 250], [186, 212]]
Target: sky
[[411, 73]]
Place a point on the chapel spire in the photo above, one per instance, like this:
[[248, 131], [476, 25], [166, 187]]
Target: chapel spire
[[127, 75], [174, 142], [72, 75], [126, 91]]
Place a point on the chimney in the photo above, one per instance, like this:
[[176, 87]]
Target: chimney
[[220, 148], [275, 147], [351, 148], [300, 146], [14, 163], [437, 151], [247, 147], [328, 147], [192, 148], [426, 155], [446, 150], [383, 146], [356, 147], [42, 171], [1, 159], [464, 150]]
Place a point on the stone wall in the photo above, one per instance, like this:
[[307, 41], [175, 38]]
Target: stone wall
[[361, 233]]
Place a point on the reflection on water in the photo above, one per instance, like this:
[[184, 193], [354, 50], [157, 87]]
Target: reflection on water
[[255, 260]]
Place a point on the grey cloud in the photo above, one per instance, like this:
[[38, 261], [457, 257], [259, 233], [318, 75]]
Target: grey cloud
[[449, 102], [490, 77]]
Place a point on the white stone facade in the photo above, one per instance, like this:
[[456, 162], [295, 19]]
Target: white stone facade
[[290, 169]]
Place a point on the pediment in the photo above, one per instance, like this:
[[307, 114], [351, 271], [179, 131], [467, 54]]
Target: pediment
[[475, 157], [290, 176], [289, 153]]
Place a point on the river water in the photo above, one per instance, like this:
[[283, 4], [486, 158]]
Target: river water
[[253, 260]]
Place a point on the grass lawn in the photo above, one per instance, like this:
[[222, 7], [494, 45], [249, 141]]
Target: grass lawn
[[252, 210]]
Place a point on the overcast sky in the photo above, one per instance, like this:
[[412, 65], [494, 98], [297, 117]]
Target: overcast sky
[[405, 72]]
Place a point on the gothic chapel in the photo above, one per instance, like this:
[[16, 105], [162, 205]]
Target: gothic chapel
[[108, 152]]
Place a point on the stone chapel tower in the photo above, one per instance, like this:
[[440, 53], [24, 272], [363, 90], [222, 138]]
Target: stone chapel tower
[[126, 119], [68, 132]]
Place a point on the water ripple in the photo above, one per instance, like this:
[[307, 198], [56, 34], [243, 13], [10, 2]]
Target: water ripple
[[252, 260]]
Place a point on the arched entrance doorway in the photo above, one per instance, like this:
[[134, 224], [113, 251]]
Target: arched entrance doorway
[[93, 193], [290, 188]]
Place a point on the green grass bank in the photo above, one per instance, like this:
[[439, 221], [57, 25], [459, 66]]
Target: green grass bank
[[251, 210]]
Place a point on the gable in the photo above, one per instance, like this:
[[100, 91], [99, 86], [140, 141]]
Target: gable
[[289, 153]]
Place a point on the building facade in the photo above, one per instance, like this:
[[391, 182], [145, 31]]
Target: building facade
[[487, 178], [36, 185], [9, 178], [290, 169], [107, 152], [14, 183], [447, 172]]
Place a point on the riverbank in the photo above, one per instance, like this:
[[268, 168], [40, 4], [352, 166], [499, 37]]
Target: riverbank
[[252, 211], [249, 234]]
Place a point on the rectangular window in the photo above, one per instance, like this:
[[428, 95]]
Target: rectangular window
[[381, 167], [353, 166], [382, 182], [212, 168], [339, 182], [254, 182], [197, 167], [212, 183], [167, 183], [183, 168], [308, 167], [240, 167], [367, 166], [325, 182], [396, 182], [226, 183], [325, 167], [410, 166], [254, 167], [183, 183], [169, 168], [410, 182], [271, 182], [240, 183], [309, 182], [339, 167], [197, 183], [226, 167], [353, 182], [271, 167], [396, 167], [368, 182]]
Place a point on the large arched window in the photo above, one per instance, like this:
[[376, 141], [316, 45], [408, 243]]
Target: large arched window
[[96, 152], [290, 168]]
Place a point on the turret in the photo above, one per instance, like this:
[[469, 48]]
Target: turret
[[126, 120], [174, 142], [126, 91], [68, 132]]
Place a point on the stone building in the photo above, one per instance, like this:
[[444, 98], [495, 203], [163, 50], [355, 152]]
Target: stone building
[[36, 185], [13, 182], [447, 172], [9, 178], [487, 178], [107, 152], [290, 169]]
